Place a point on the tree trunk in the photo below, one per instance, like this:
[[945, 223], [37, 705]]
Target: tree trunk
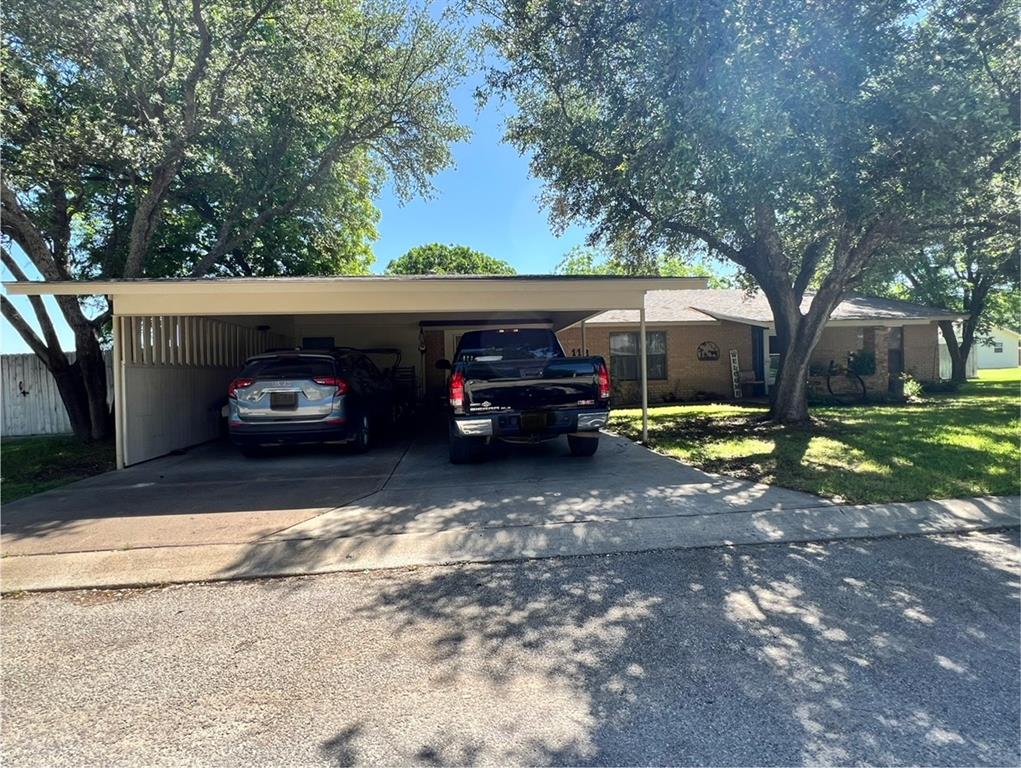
[[93, 375], [797, 336], [789, 402], [82, 388], [76, 402], [958, 357]]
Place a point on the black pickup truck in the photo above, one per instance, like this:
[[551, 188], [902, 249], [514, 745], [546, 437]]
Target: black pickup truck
[[517, 385]]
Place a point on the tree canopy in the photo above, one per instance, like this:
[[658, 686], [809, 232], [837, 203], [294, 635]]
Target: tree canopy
[[438, 259], [798, 140], [195, 137], [587, 261], [965, 256]]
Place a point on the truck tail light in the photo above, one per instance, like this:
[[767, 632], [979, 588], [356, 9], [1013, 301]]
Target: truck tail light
[[456, 389], [332, 381], [604, 382], [234, 386]]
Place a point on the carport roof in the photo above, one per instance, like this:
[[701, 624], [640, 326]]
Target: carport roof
[[365, 294]]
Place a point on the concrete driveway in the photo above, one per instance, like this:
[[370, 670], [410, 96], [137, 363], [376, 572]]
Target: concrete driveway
[[212, 514], [213, 495]]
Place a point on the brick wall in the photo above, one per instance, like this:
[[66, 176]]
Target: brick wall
[[686, 374], [921, 351], [835, 344], [920, 354]]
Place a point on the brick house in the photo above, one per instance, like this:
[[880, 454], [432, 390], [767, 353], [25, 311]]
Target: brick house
[[691, 334]]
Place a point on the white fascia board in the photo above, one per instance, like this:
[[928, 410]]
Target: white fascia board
[[287, 296], [628, 324]]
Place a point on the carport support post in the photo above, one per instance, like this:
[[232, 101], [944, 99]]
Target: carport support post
[[644, 367], [584, 341], [118, 389]]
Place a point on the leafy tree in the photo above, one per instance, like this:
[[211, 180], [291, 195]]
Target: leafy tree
[[437, 259], [977, 276], [967, 258], [585, 261], [195, 137], [798, 140]]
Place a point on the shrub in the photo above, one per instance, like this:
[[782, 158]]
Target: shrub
[[912, 388], [861, 363]]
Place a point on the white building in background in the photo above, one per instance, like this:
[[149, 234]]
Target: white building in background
[[1004, 351]]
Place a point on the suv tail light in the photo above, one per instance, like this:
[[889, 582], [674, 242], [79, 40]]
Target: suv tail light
[[234, 386], [332, 381], [604, 382], [456, 389]]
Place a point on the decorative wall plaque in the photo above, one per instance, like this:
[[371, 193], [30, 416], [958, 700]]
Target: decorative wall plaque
[[708, 351]]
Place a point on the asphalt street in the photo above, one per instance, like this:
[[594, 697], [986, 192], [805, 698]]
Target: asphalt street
[[887, 651]]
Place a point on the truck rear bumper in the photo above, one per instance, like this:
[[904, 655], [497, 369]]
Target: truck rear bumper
[[510, 424]]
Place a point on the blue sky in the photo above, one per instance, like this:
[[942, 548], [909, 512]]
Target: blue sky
[[487, 201]]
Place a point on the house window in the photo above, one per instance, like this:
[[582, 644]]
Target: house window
[[774, 360], [998, 347], [624, 355]]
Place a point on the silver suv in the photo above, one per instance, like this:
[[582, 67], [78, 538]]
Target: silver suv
[[294, 397]]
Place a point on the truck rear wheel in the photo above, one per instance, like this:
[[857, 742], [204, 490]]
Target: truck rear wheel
[[465, 450], [582, 446]]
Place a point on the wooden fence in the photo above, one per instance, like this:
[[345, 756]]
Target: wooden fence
[[31, 403]]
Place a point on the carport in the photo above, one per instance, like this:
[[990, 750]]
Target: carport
[[178, 342]]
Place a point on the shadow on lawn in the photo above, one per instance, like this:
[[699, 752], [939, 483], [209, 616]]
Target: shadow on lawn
[[947, 446], [781, 655]]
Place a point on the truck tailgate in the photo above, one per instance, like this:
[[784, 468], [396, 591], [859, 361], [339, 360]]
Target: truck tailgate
[[524, 385]]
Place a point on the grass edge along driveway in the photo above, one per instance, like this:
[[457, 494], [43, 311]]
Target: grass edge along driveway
[[40, 463], [945, 446]]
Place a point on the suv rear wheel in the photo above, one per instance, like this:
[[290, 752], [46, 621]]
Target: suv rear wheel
[[363, 437]]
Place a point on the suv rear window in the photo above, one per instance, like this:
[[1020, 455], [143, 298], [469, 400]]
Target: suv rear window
[[508, 344], [288, 367]]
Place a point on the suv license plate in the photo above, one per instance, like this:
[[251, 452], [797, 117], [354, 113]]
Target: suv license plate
[[283, 401]]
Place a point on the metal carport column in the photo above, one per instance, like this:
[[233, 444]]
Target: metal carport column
[[643, 366]]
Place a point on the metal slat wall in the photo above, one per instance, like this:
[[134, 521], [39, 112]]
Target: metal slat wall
[[31, 403], [175, 376]]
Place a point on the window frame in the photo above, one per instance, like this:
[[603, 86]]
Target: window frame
[[615, 368]]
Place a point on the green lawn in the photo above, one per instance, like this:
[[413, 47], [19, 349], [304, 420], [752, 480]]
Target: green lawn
[[955, 445], [34, 464]]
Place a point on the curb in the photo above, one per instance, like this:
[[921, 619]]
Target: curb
[[306, 556]]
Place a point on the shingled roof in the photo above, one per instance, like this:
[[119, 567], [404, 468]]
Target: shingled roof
[[710, 304]]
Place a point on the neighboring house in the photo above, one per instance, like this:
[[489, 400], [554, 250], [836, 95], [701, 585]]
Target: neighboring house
[[1002, 351], [691, 334]]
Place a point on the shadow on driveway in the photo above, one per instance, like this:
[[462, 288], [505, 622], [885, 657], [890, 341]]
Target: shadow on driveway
[[884, 652]]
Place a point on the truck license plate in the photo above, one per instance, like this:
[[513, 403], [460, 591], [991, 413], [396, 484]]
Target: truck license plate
[[533, 422]]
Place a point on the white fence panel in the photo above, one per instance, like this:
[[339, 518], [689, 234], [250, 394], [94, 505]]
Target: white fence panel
[[946, 364], [31, 402]]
